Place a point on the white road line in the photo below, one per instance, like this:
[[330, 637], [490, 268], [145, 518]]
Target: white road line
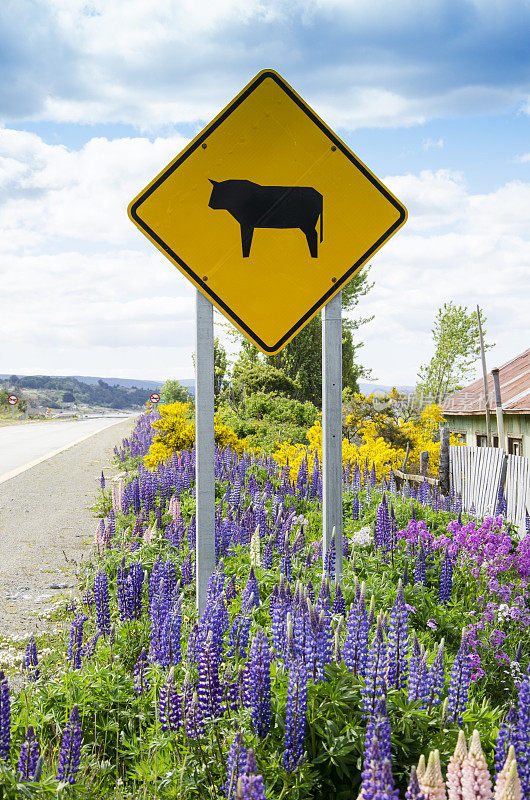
[[7, 475]]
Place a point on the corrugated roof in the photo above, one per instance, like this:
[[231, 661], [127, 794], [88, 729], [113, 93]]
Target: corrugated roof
[[514, 380]]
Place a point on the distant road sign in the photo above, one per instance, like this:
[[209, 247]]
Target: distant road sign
[[12, 399], [155, 398], [267, 212]]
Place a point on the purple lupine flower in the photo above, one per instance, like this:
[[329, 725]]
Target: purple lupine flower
[[187, 570], [355, 650], [170, 646], [90, 648], [388, 791], [413, 791], [446, 579], [522, 735], [101, 596], [329, 560], [375, 686], [339, 605], [296, 710], [250, 596], [505, 738], [238, 637], [70, 754], [194, 719], [378, 728], [29, 755], [372, 769], [30, 662], [102, 480], [75, 646], [169, 704], [436, 681], [324, 644], [250, 787], [141, 684], [237, 756], [5, 718], [459, 682], [420, 568], [260, 684], [230, 591], [209, 688], [398, 634], [418, 686], [230, 690]]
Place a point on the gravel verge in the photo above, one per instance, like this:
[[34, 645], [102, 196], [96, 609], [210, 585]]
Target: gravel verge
[[46, 528]]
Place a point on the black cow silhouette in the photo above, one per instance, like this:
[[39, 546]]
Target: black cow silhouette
[[255, 206]]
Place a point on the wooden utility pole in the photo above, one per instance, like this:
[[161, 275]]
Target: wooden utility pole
[[498, 408], [485, 375]]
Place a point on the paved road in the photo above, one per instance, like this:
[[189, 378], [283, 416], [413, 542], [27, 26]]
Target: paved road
[[47, 528], [24, 446]]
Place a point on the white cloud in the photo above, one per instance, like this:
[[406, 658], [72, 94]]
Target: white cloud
[[364, 63], [524, 159], [432, 144]]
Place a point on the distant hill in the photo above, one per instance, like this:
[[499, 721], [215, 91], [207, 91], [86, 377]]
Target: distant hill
[[59, 392]]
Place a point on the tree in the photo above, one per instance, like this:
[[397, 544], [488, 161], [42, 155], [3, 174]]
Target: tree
[[301, 358], [174, 392], [220, 363], [457, 348]]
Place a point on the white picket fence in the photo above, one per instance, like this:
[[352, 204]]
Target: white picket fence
[[477, 474]]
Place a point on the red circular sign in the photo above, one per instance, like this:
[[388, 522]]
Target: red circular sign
[[154, 397], [12, 399]]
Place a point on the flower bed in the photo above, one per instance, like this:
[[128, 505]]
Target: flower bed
[[289, 686]]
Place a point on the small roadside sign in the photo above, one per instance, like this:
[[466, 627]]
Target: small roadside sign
[[267, 212], [155, 398], [12, 399]]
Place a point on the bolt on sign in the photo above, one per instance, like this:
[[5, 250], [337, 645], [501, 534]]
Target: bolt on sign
[[267, 212]]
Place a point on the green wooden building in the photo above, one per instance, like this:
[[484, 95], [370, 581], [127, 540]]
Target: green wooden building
[[465, 411]]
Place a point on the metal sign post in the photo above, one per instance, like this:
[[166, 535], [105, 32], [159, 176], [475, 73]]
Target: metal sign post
[[204, 450], [332, 430]]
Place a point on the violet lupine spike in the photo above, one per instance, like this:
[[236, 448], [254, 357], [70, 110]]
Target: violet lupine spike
[[30, 661], [376, 666], [260, 684], [339, 604], [194, 718], [296, 711], [436, 679], [209, 689], [446, 579], [101, 596], [237, 756], [522, 735], [505, 738], [29, 755], [5, 719], [371, 774], [169, 704], [398, 638], [355, 650], [70, 754], [250, 787], [459, 682], [141, 684], [75, 647], [413, 791], [324, 643]]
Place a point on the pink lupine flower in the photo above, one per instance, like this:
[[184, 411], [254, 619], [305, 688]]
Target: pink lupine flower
[[476, 780], [432, 783], [454, 769], [99, 536]]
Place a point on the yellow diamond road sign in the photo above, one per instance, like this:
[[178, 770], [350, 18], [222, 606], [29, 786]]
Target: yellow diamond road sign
[[267, 212]]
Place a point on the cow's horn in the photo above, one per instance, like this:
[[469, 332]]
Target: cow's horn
[[214, 183]]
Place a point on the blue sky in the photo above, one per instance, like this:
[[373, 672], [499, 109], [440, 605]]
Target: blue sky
[[97, 96]]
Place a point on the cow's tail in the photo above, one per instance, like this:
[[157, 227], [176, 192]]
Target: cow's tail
[[322, 220]]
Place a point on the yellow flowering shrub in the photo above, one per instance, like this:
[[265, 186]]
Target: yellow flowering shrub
[[176, 432], [373, 446]]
